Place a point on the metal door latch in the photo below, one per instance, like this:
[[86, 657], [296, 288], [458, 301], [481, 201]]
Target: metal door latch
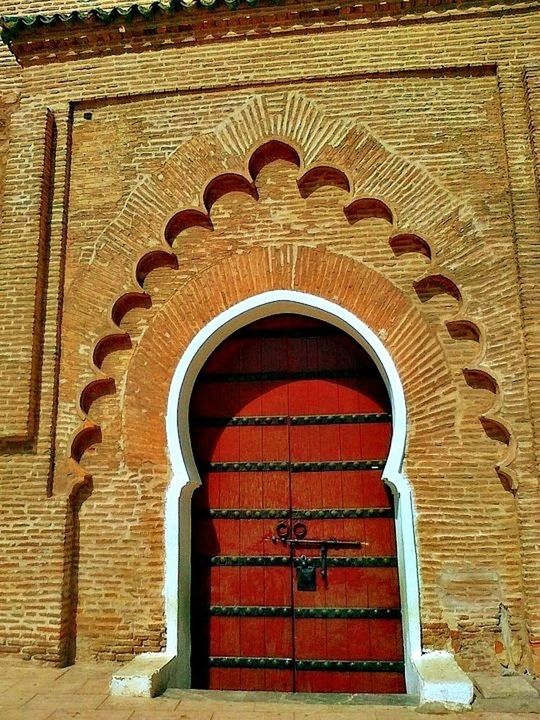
[[306, 567]]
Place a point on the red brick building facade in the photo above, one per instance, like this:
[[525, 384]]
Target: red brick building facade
[[166, 168]]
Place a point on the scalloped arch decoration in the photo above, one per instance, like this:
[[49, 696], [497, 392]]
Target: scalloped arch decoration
[[241, 146]]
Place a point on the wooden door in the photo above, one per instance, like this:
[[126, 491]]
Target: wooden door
[[290, 424]]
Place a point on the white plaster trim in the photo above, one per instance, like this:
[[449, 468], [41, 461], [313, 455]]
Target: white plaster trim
[[185, 477], [147, 675], [442, 681]]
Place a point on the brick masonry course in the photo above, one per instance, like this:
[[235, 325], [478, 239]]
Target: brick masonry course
[[439, 120]]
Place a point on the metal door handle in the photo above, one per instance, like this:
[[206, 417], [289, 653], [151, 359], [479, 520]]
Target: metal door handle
[[281, 532]]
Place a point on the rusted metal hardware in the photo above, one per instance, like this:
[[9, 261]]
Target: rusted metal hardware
[[263, 420], [329, 613], [295, 467], [288, 663], [284, 514], [286, 560]]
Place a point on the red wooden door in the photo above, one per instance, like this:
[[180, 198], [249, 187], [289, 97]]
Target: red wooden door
[[291, 426]]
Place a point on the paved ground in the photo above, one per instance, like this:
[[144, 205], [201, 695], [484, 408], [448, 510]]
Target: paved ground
[[30, 692]]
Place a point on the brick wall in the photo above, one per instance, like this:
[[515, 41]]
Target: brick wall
[[436, 119]]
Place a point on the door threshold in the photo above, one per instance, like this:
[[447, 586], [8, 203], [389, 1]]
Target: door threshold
[[262, 696]]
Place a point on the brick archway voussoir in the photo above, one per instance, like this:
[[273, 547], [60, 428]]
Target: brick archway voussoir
[[351, 284]]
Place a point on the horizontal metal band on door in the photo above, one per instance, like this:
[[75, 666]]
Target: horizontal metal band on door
[[341, 419], [270, 420], [259, 663], [273, 466], [264, 611], [351, 665], [267, 663], [305, 332], [275, 375], [283, 514], [285, 560]]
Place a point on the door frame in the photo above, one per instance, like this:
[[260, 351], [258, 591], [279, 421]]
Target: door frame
[[185, 477]]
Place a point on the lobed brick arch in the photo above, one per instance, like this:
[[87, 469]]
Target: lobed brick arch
[[429, 388], [354, 209], [378, 182]]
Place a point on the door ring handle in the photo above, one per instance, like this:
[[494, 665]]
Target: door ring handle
[[282, 530], [299, 530]]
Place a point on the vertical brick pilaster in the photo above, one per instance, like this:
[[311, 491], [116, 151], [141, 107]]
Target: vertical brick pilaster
[[524, 197], [24, 241]]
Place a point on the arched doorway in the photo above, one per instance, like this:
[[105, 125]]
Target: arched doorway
[[185, 477], [294, 568]]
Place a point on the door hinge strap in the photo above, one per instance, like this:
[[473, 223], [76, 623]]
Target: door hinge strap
[[351, 665], [366, 561], [251, 420], [283, 514], [285, 560], [300, 332], [251, 662], [346, 613], [272, 466], [342, 513], [275, 375], [250, 610], [342, 419], [289, 663], [248, 560], [304, 613], [248, 420], [333, 465], [238, 514]]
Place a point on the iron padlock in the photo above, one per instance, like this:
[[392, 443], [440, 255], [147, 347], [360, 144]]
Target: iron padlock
[[306, 578]]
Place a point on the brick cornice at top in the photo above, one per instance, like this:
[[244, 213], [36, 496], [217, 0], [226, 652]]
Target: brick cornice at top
[[56, 33]]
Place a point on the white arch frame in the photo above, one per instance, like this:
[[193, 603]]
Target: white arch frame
[[185, 477]]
